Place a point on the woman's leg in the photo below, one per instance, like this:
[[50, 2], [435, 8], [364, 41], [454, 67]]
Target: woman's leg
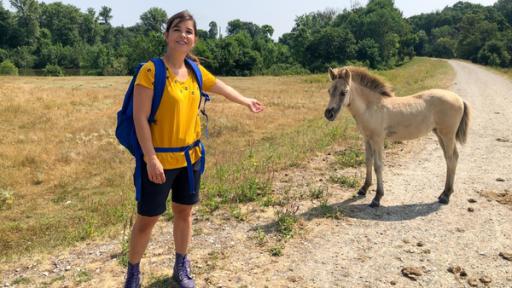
[[141, 233], [182, 228]]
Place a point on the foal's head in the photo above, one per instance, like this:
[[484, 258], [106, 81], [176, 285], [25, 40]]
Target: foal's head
[[339, 92]]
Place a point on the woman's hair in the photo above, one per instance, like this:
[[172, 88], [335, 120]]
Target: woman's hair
[[176, 19]]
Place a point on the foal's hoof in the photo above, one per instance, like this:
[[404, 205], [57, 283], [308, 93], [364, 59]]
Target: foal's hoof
[[374, 204], [361, 192], [443, 199]]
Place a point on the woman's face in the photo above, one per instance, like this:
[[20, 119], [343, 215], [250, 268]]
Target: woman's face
[[181, 37]]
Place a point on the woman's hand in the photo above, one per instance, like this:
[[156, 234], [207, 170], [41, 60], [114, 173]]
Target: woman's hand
[[254, 105], [155, 170], [233, 95]]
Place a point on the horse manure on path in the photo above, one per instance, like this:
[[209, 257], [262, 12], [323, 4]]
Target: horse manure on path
[[458, 271]]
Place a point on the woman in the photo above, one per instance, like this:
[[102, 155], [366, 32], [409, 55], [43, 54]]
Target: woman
[[177, 125]]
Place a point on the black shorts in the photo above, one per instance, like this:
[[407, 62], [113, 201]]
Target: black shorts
[[154, 196]]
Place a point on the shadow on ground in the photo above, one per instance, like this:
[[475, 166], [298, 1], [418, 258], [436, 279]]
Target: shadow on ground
[[165, 282], [349, 208]]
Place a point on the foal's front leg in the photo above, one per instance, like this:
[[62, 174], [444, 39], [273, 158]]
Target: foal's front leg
[[369, 165], [378, 152]]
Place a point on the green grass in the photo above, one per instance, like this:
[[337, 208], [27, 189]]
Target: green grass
[[349, 157], [83, 277], [316, 193], [21, 281], [276, 250], [345, 181], [326, 211]]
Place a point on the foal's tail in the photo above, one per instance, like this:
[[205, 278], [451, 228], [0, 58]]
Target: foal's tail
[[462, 131]]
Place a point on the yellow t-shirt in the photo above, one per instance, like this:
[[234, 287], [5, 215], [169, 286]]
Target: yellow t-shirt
[[177, 122]]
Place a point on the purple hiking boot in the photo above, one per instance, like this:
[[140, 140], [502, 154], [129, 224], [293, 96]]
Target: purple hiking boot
[[132, 276], [182, 275]]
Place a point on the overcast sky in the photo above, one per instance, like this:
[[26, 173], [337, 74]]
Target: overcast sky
[[280, 14]]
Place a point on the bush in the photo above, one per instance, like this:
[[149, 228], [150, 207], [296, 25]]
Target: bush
[[53, 70], [286, 69], [8, 68], [118, 67], [494, 53]]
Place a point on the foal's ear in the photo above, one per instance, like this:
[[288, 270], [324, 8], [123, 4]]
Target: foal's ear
[[332, 74], [345, 74]]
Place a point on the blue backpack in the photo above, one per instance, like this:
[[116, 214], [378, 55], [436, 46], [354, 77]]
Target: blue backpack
[[125, 129]]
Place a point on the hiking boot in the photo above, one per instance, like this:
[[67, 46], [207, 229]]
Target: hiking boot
[[182, 274], [132, 276]]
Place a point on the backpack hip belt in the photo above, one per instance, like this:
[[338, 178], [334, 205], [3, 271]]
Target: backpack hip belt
[[190, 166]]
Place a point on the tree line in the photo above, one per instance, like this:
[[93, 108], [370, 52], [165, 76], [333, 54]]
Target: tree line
[[56, 35]]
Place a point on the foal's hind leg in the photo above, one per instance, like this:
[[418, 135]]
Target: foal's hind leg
[[451, 156], [369, 165]]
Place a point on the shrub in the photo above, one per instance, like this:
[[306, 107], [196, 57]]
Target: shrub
[[285, 69], [118, 67], [8, 68], [53, 70]]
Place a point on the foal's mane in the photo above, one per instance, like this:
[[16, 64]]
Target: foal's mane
[[363, 77]]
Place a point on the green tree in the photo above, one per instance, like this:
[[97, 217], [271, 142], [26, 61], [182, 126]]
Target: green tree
[[236, 56], [368, 52], [62, 21], [494, 53], [474, 32], [23, 56], [89, 27], [105, 15], [6, 25], [444, 48], [27, 16], [267, 30], [330, 47], [505, 8], [153, 20], [213, 31]]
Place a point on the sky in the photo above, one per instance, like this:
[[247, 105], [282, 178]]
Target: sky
[[280, 14]]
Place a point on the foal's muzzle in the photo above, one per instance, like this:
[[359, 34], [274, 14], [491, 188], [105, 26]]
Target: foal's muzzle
[[330, 114]]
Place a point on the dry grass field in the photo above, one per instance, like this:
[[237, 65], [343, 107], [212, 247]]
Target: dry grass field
[[64, 178]]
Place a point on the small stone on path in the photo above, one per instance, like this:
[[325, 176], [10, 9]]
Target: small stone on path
[[473, 282], [485, 279], [506, 256], [412, 272]]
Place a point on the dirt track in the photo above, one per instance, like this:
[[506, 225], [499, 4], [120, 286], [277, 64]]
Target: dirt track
[[364, 248]]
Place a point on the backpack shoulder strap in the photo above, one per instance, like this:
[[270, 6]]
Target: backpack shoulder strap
[[158, 90], [199, 78], [197, 72]]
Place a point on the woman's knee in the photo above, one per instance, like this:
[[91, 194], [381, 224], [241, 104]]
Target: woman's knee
[[182, 212], [145, 224]]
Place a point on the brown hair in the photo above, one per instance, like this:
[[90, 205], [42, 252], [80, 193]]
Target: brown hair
[[176, 19]]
